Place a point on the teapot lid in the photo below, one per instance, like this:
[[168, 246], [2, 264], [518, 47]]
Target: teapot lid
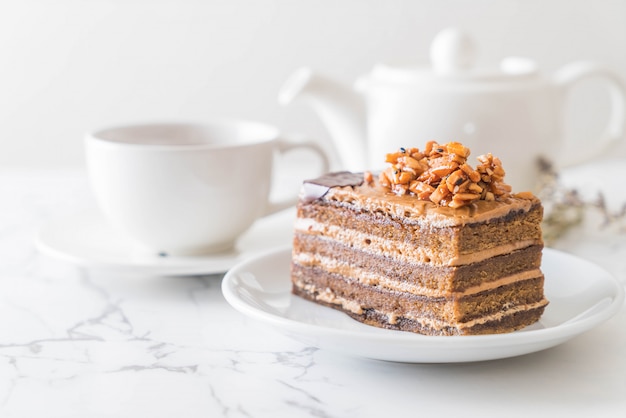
[[452, 54]]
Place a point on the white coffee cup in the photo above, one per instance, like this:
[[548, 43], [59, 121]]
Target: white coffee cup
[[187, 189]]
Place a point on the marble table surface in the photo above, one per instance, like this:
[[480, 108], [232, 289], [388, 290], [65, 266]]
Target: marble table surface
[[80, 342]]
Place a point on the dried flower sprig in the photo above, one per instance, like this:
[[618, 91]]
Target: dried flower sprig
[[566, 208]]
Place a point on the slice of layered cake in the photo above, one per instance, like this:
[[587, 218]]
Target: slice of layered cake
[[430, 245]]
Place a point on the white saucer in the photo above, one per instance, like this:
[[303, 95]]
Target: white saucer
[[87, 240], [581, 295]]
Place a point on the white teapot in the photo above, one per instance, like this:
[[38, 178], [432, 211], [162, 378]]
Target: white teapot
[[513, 112]]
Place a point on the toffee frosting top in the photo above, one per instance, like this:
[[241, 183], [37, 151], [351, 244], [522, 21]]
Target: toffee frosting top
[[349, 189]]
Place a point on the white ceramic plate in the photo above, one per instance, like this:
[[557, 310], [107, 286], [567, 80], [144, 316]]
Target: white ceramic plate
[[581, 294], [88, 240]]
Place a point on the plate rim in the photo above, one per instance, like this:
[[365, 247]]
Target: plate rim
[[560, 332], [174, 266]]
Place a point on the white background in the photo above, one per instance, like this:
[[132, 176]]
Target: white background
[[68, 66]]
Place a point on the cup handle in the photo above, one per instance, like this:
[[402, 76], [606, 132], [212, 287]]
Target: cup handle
[[285, 144], [576, 72]]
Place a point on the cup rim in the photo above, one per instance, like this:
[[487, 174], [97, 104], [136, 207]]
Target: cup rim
[[270, 134]]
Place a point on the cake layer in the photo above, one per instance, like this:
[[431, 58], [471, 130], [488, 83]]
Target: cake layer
[[375, 232], [497, 325], [429, 315], [417, 278]]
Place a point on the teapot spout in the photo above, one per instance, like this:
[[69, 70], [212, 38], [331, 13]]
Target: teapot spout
[[341, 110]]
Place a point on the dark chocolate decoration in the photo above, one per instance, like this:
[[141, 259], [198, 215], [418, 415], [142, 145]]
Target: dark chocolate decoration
[[317, 188]]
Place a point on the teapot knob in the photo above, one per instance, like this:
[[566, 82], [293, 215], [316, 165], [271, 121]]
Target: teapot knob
[[452, 51]]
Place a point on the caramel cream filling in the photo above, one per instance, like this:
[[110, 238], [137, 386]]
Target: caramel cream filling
[[405, 252], [369, 279]]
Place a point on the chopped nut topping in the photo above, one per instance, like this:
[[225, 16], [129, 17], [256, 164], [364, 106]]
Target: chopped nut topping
[[368, 177], [440, 173]]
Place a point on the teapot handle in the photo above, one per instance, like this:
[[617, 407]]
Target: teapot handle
[[573, 73]]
